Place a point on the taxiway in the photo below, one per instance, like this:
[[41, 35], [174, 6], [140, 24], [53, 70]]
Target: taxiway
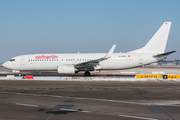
[[105, 100]]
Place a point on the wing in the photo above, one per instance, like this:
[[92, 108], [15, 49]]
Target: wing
[[89, 65]]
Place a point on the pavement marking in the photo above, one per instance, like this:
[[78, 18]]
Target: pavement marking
[[49, 117], [147, 103], [69, 109], [78, 98], [144, 118], [137, 117], [27, 105], [86, 111], [74, 109]]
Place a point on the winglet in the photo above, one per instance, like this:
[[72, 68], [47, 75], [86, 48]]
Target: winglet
[[109, 54]]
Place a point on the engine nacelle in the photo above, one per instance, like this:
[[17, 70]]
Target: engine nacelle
[[66, 69]]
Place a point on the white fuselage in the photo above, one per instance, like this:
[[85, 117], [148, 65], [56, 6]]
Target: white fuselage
[[152, 52], [50, 62]]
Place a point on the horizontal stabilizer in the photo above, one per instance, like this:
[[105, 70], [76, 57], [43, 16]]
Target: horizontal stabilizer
[[164, 54]]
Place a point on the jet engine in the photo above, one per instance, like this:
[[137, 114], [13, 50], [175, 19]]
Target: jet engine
[[66, 69]]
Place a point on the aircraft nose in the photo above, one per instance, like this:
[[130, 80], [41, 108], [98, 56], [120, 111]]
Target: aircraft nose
[[6, 64]]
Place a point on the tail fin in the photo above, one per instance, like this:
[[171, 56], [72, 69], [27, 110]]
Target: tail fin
[[157, 43]]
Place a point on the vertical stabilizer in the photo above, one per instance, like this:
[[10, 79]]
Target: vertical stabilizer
[[157, 43]]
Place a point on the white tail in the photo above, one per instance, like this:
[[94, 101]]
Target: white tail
[[157, 43]]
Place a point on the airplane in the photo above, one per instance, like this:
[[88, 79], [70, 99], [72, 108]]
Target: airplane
[[152, 52]]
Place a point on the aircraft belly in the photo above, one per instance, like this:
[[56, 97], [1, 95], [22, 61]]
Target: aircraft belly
[[119, 65]]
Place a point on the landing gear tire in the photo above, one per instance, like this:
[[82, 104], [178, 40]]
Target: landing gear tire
[[20, 74], [87, 73]]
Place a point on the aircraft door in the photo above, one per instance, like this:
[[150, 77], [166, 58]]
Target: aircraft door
[[22, 61], [140, 59]]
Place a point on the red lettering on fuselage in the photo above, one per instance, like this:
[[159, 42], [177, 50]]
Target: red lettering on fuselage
[[46, 57]]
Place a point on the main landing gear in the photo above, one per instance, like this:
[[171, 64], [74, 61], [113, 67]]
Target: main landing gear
[[87, 73]]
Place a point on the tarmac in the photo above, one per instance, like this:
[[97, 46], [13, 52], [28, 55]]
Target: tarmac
[[89, 100], [77, 100]]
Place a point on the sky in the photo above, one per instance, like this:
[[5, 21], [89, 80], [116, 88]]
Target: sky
[[88, 26]]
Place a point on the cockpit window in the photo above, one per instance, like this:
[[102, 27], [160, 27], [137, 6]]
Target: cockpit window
[[12, 60]]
